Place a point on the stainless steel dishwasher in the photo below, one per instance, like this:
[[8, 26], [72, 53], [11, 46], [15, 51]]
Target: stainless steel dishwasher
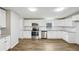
[[43, 34]]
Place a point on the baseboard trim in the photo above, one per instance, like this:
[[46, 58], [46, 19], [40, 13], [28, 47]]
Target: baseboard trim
[[44, 38], [14, 45]]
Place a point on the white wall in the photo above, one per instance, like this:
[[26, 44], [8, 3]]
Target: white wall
[[15, 28]]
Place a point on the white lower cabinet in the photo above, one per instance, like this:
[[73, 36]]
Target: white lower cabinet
[[7, 43], [55, 34], [65, 36], [4, 43], [26, 34], [71, 37]]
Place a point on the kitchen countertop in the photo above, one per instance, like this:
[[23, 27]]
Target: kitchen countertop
[[2, 36], [70, 31]]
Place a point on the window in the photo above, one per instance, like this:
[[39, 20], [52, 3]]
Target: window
[[48, 25]]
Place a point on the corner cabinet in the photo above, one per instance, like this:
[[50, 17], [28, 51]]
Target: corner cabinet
[[4, 43], [2, 18], [7, 43]]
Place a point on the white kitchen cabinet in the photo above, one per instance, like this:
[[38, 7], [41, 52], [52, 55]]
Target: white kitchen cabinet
[[55, 34], [39, 22], [64, 22], [75, 17], [2, 18], [7, 43], [77, 32], [77, 38], [51, 34], [71, 38], [65, 36], [59, 22], [4, 43], [26, 34]]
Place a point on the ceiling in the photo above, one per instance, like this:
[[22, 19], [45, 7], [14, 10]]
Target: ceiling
[[43, 12]]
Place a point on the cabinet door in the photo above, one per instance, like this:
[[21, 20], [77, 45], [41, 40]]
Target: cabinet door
[[7, 43], [65, 36], [2, 44], [27, 34], [59, 22], [71, 37], [64, 22], [51, 35], [2, 18], [75, 18]]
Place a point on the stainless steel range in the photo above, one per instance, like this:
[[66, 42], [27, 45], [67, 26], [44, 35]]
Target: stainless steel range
[[35, 31]]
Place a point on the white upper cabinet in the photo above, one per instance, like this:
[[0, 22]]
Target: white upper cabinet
[[75, 17], [2, 18], [63, 22]]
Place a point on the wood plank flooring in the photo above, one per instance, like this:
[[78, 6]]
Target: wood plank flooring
[[44, 45]]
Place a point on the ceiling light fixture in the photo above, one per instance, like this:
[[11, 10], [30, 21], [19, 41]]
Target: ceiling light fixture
[[32, 9], [59, 9]]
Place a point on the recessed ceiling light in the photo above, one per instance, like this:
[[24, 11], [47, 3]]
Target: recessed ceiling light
[[59, 9], [32, 9]]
